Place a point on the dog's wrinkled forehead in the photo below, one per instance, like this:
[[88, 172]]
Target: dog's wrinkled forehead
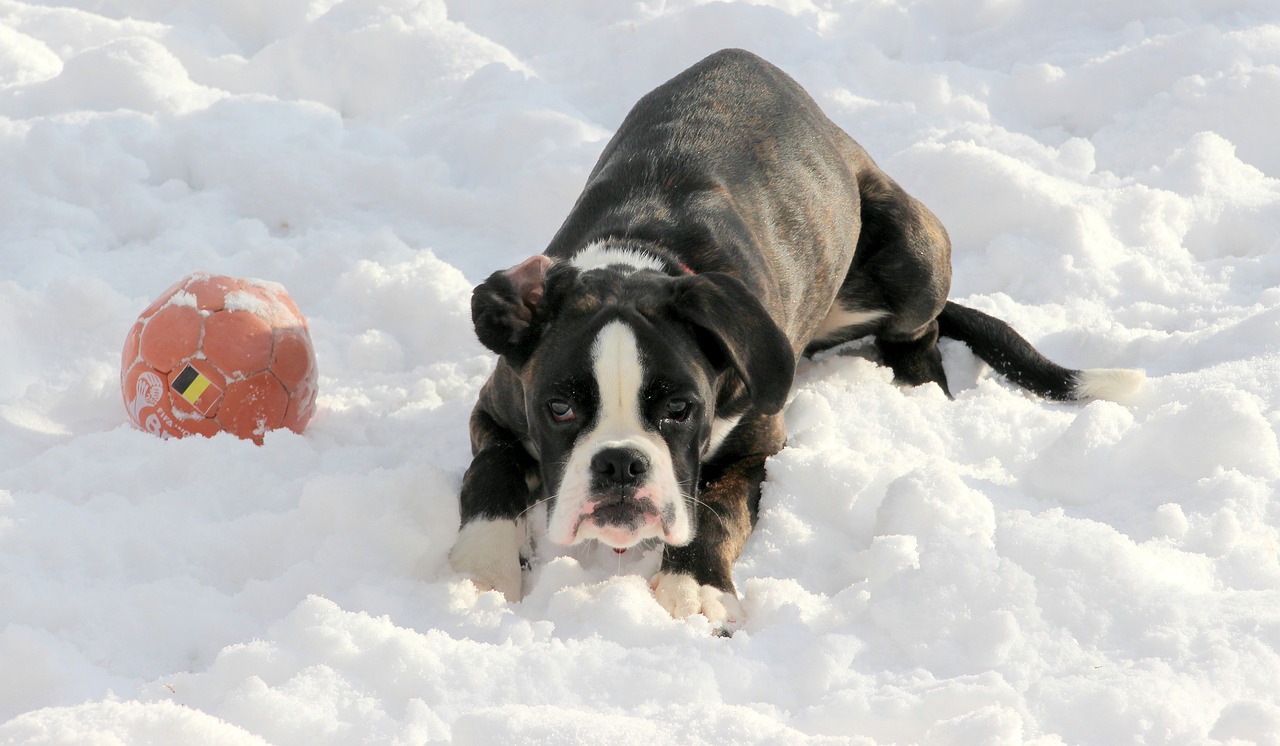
[[580, 304], [542, 313], [573, 292]]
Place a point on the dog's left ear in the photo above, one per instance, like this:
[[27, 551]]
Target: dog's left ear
[[504, 308], [735, 331]]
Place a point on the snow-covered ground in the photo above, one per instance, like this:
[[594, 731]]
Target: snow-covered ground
[[994, 569]]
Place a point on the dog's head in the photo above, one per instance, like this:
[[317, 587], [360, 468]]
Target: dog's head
[[623, 369]]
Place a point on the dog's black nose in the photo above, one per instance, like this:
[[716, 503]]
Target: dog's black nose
[[619, 465]]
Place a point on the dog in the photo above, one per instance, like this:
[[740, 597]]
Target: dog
[[728, 228]]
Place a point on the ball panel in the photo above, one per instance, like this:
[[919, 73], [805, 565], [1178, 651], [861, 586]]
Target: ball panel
[[253, 405], [292, 359], [210, 291], [237, 342], [196, 389], [268, 300], [293, 309], [171, 336], [302, 404], [146, 399], [129, 355], [190, 423], [255, 296]]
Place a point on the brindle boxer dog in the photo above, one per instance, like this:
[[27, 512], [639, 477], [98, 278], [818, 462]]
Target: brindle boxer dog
[[728, 228]]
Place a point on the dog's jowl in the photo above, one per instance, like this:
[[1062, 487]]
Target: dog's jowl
[[728, 228]]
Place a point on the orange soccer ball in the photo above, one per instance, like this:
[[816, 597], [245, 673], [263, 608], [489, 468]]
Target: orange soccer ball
[[219, 354]]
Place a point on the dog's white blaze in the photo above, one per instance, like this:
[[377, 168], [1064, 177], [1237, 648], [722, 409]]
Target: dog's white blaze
[[600, 255], [619, 375], [615, 357], [840, 317]]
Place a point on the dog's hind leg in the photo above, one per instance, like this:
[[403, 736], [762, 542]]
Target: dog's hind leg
[[898, 281], [915, 359]]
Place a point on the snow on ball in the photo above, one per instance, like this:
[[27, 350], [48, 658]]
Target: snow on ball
[[219, 354]]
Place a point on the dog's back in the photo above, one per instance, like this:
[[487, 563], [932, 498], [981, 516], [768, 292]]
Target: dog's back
[[727, 158]]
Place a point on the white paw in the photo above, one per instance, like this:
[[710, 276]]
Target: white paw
[[488, 552], [682, 596]]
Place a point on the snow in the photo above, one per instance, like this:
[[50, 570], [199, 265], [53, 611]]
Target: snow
[[994, 569]]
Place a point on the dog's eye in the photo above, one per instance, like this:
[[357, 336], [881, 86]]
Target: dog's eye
[[561, 411], [677, 409]]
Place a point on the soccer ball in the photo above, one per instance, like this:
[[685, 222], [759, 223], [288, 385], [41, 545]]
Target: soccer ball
[[219, 354]]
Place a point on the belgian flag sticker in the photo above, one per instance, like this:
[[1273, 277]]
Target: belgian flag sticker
[[197, 389]]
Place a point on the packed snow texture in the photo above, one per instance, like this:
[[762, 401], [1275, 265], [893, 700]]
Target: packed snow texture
[[994, 569]]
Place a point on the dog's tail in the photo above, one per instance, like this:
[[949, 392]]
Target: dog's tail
[[1013, 357]]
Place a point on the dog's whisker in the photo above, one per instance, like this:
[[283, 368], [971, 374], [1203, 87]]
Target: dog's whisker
[[711, 509], [533, 505]]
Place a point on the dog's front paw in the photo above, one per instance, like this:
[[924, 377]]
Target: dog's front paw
[[488, 552], [682, 596]]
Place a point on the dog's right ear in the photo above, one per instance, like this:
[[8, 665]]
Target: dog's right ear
[[504, 308]]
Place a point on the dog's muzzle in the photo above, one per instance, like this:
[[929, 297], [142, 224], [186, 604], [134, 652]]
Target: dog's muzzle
[[621, 506]]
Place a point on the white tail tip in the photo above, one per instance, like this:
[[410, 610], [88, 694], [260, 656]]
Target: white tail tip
[[1113, 384]]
